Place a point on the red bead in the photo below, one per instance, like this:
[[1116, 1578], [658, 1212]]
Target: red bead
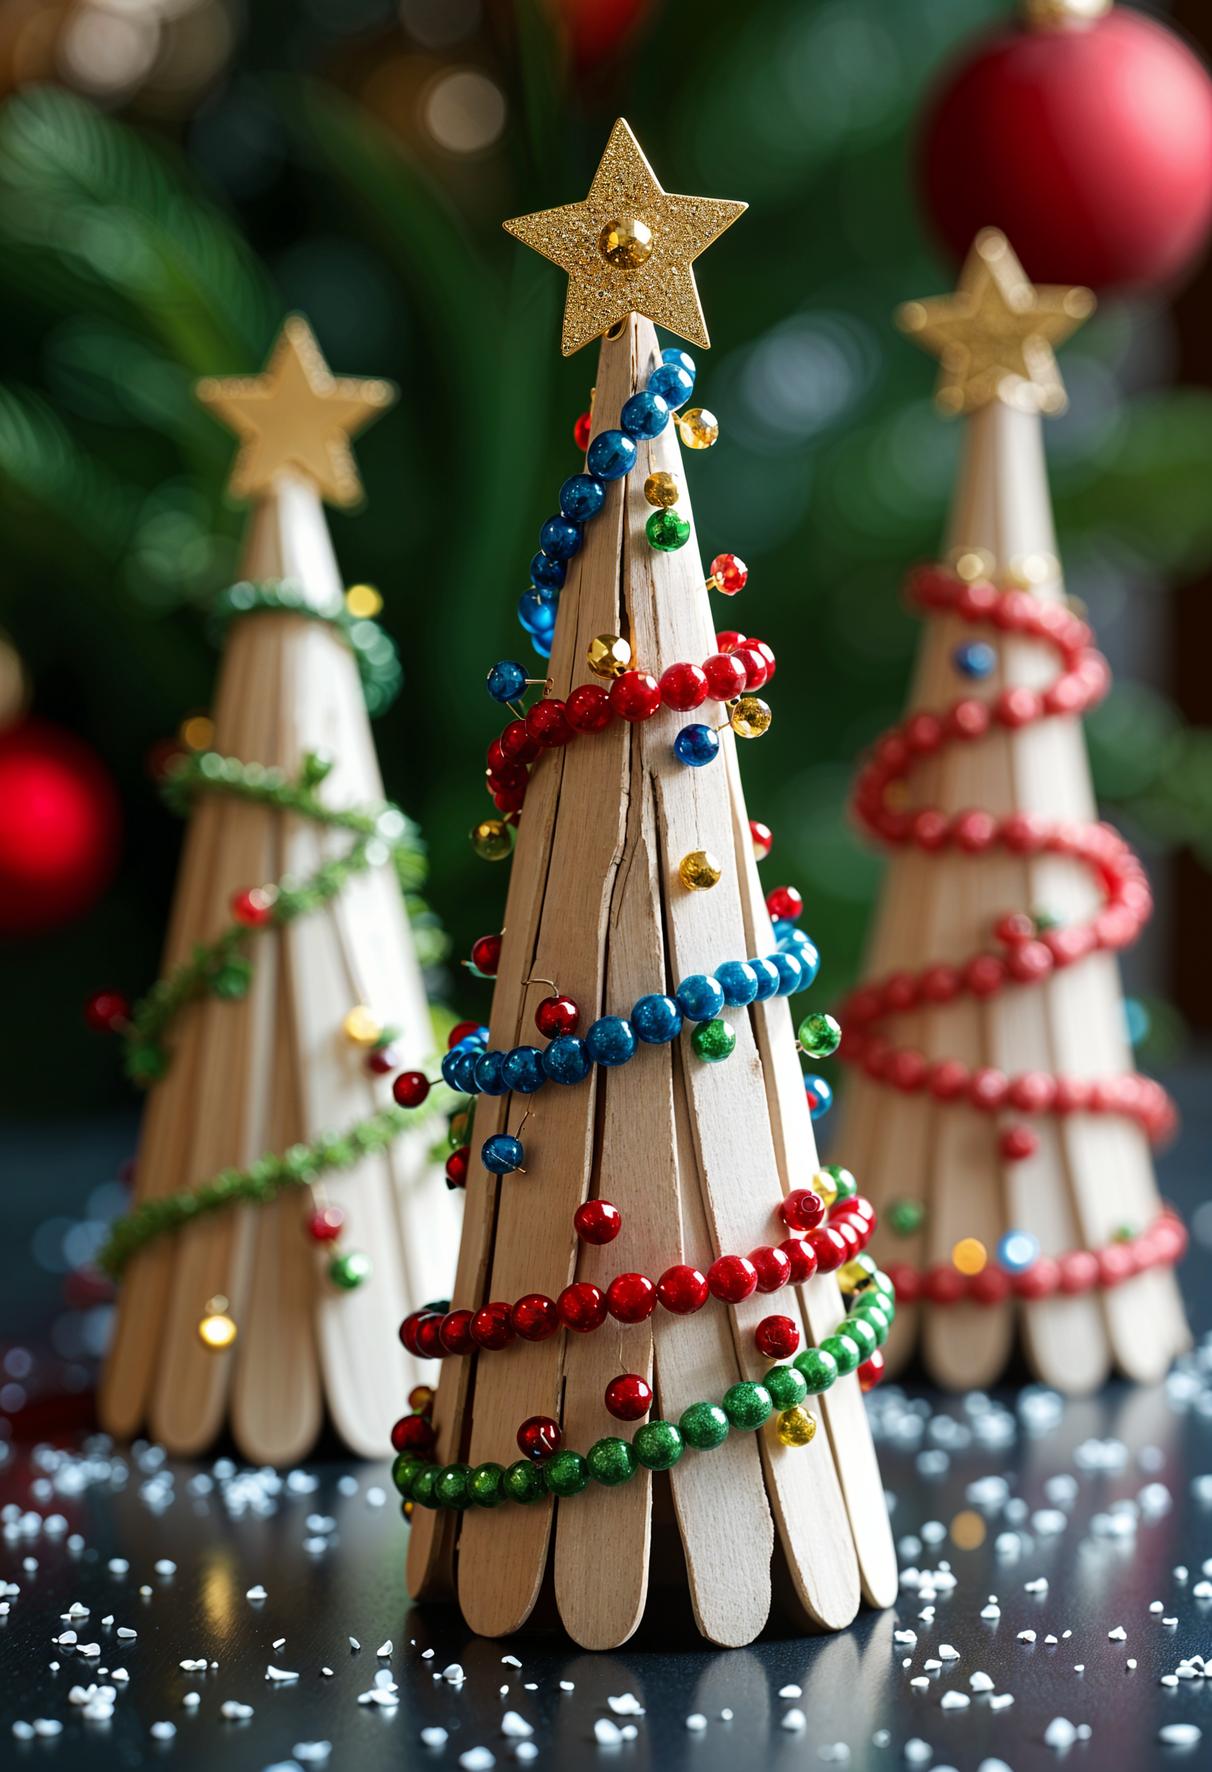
[[1116, 1262], [777, 1337], [682, 1289], [1040, 1280], [628, 1396], [413, 1433], [582, 1307], [555, 1016], [539, 1437], [460, 1031], [408, 1329], [381, 1060], [106, 1011], [773, 1268], [829, 1246], [410, 1089], [325, 1224], [767, 655], [547, 722], [683, 687], [757, 673], [455, 1332], [785, 904], [984, 975], [729, 640], [802, 1257], [726, 676], [535, 1317], [588, 708], [518, 744], [762, 838], [871, 1370], [491, 1326], [582, 431], [1017, 1143], [802, 1210], [991, 1286], [1078, 1271], [253, 906], [730, 573], [631, 1298], [429, 1336], [486, 955], [597, 1221], [944, 1284], [731, 1278], [636, 695], [849, 1232], [496, 759], [988, 1088], [906, 1281], [456, 1168]]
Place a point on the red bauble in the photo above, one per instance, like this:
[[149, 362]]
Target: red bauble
[[59, 830], [325, 1224], [539, 1437], [582, 431], [683, 687], [682, 1289], [382, 1060], [1088, 145], [410, 1089], [802, 1258], [730, 573], [631, 1298], [535, 1317], [829, 1246], [547, 722], [253, 907], [460, 1031], [628, 1396], [772, 1266], [727, 676], [777, 1337], [429, 1336], [597, 1221], [555, 1016]]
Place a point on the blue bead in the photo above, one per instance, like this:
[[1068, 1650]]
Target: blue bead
[[683, 359], [542, 647], [821, 1096], [784, 929], [791, 973], [700, 997], [611, 455], [522, 1069], [546, 573], [1017, 1251], [672, 383], [536, 611], [560, 538], [976, 658], [645, 415], [767, 975], [582, 497], [506, 680], [610, 1040], [501, 1153], [465, 1072], [477, 1039], [447, 1068], [487, 1073], [565, 1059], [696, 745], [656, 1019], [808, 955], [738, 981]]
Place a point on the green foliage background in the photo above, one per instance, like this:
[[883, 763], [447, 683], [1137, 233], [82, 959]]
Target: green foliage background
[[135, 258]]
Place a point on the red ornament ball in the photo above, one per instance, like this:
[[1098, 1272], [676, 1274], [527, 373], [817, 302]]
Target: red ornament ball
[[1088, 145], [829, 1246], [802, 1258], [597, 1221], [380, 1060], [429, 1336], [762, 838], [682, 1289], [555, 1016], [683, 687], [486, 955], [410, 1089], [460, 1031], [727, 676], [539, 1437], [1017, 1143], [628, 1396], [59, 831], [106, 1012], [730, 573], [772, 1267], [253, 906], [777, 1337], [325, 1224]]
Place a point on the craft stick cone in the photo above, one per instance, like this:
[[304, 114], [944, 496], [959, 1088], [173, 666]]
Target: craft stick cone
[[1000, 1129], [696, 1156], [275, 1069]]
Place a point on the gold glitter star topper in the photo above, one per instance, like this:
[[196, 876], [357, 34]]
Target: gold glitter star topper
[[296, 416], [995, 335], [628, 247]]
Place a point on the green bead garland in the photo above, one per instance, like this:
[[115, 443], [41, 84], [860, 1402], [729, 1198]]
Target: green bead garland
[[747, 1406], [610, 1461], [374, 650], [658, 1445], [566, 1473], [818, 1369]]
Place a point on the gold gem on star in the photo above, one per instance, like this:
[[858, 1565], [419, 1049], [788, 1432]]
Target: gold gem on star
[[296, 417], [995, 336], [628, 247]]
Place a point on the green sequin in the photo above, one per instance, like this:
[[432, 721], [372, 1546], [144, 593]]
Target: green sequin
[[747, 1405], [610, 1461], [487, 1487], [566, 1473], [818, 1369], [703, 1425], [713, 1041], [786, 1386], [658, 1445], [843, 1351]]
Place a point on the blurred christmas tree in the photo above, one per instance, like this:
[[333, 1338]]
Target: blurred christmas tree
[[350, 159]]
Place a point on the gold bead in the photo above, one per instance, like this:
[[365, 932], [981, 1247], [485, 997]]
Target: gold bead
[[216, 1327], [407, 1509], [626, 243], [492, 839], [857, 1275], [197, 732], [749, 716], [363, 601], [699, 871], [969, 1256], [697, 427], [608, 655], [662, 490], [823, 1184], [361, 1026], [797, 1427]]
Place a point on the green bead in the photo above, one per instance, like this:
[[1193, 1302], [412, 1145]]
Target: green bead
[[819, 1034], [524, 1482], [232, 981], [818, 1369], [878, 1321], [424, 1485], [610, 1462], [703, 1426], [487, 1485], [847, 1186], [657, 1445], [566, 1473], [844, 1352], [404, 1468], [350, 1270], [453, 1487], [786, 1386], [147, 1064], [747, 1405], [667, 531], [887, 1291], [713, 1041], [906, 1216], [858, 1330]]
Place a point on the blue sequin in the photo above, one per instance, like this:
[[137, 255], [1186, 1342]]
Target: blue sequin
[[522, 1069], [767, 975], [565, 1059], [656, 1019], [546, 573], [700, 997], [489, 1080], [506, 680], [645, 415], [501, 1153], [791, 973], [560, 538], [820, 1096], [611, 455], [975, 658], [696, 745], [672, 383], [610, 1040], [582, 497], [738, 981]]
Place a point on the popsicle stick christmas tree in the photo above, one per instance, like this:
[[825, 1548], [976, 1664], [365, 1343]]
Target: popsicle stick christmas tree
[[285, 1207], [642, 1168], [1002, 1131]]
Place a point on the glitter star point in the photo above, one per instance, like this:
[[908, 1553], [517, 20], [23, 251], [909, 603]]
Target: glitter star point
[[628, 248], [296, 417], [995, 338]]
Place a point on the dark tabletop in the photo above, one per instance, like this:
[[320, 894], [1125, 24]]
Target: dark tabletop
[[1084, 1519]]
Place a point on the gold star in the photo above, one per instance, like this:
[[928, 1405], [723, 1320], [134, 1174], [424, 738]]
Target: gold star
[[628, 247], [296, 416], [995, 335]]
